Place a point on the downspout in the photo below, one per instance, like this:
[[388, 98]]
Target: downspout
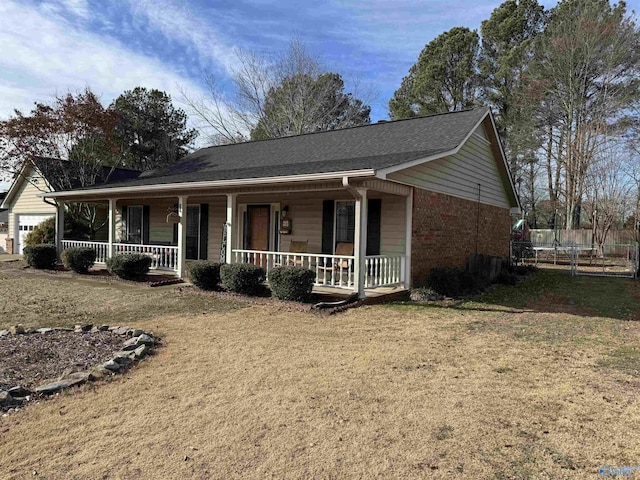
[[350, 189]]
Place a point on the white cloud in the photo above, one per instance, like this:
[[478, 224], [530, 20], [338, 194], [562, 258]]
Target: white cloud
[[177, 22], [79, 8], [63, 56]]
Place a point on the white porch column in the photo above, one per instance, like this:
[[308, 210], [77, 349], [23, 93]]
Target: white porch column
[[59, 226], [360, 242], [112, 227], [408, 239], [232, 206], [182, 236]]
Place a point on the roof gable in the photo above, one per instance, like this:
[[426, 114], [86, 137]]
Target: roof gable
[[368, 147], [108, 174]]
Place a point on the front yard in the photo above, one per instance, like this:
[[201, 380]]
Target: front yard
[[538, 381]]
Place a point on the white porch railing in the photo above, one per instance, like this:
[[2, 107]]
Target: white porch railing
[[331, 270], [163, 257], [101, 248], [383, 270]]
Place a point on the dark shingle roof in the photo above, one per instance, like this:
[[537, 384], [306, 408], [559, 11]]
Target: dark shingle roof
[[52, 167], [374, 146]]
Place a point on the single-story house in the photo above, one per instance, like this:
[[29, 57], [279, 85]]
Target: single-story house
[[25, 202], [364, 207]]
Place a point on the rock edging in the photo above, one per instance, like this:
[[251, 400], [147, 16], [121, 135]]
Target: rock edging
[[138, 344]]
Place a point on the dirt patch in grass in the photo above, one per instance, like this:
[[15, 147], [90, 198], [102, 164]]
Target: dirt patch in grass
[[397, 391], [31, 360]]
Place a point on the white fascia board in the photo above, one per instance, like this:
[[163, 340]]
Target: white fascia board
[[504, 160], [383, 172], [109, 192], [14, 187]]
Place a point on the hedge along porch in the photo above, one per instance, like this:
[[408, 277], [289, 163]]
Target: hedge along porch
[[352, 234]]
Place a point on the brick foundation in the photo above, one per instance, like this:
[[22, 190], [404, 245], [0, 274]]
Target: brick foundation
[[9, 245], [444, 232]]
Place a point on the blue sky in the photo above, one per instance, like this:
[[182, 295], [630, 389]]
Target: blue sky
[[53, 46]]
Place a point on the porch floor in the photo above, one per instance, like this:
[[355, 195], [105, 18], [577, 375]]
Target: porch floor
[[372, 295]]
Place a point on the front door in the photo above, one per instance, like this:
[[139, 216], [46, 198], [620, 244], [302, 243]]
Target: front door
[[258, 223]]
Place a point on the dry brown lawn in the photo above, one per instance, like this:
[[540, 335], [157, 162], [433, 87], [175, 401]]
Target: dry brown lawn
[[506, 386]]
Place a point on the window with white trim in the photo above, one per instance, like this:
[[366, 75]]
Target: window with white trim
[[345, 222], [134, 223]]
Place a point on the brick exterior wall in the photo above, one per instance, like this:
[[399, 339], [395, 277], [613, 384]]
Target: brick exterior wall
[[444, 232]]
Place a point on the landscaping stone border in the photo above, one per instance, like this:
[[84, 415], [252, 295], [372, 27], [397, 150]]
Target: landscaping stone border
[[138, 344]]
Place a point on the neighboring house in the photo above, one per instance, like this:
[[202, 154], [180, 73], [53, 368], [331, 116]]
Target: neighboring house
[[26, 206], [4, 224], [364, 207]]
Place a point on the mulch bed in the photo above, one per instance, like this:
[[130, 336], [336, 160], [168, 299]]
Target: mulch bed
[[264, 298], [31, 360], [154, 280]]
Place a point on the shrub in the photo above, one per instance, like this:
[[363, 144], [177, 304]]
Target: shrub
[[445, 281], [205, 275], [242, 277], [507, 278], [78, 259], [45, 232], [291, 283], [470, 283], [525, 269], [454, 282], [520, 251], [41, 256], [130, 266]]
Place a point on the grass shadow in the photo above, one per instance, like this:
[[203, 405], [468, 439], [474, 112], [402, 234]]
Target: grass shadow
[[553, 291]]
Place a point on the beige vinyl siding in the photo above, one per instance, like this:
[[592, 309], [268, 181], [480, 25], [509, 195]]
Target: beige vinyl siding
[[459, 174], [217, 218], [305, 212], [393, 225], [27, 202], [161, 232]]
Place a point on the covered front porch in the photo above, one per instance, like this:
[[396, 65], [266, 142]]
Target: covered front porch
[[354, 235]]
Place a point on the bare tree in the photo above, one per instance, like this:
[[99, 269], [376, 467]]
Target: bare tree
[[68, 142], [584, 79], [275, 97], [608, 193]]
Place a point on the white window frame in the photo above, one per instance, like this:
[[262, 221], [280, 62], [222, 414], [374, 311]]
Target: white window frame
[[199, 207], [128, 223], [335, 220]]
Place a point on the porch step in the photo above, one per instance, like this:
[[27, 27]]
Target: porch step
[[374, 298]]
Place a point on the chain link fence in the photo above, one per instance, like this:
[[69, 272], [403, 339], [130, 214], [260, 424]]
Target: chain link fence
[[615, 260]]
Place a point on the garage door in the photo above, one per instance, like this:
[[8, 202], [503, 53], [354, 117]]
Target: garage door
[[26, 224]]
